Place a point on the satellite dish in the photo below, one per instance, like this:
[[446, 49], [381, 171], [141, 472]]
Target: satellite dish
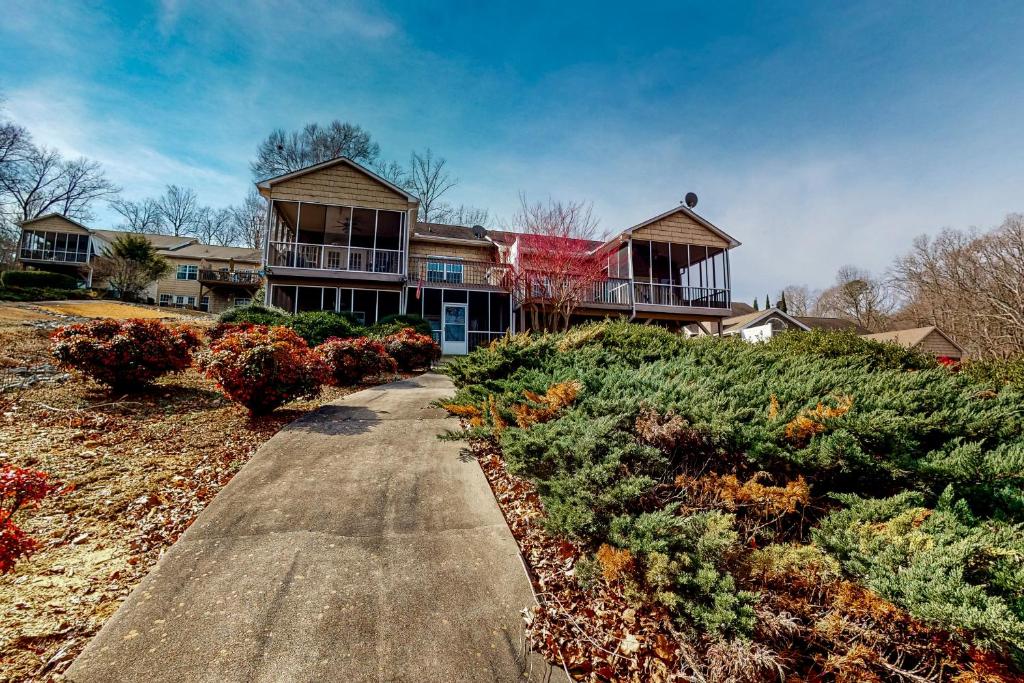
[[691, 199], [479, 231]]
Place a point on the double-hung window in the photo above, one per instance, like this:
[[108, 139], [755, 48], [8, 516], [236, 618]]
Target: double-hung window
[[187, 272]]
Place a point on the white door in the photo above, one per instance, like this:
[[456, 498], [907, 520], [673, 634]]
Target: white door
[[453, 329]]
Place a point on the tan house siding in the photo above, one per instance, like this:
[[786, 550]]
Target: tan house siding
[[55, 224], [340, 184], [484, 252], [938, 345], [681, 229]]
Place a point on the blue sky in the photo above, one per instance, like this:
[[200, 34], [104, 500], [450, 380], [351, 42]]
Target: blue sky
[[818, 134]]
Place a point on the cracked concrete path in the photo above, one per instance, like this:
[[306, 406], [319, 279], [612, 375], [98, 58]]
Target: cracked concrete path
[[354, 546]]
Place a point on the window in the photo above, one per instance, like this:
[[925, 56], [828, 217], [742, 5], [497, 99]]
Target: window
[[204, 304], [187, 273], [444, 271], [165, 299], [242, 301]]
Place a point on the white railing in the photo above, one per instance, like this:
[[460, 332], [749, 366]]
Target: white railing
[[330, 257], [680, 295], [58, 255]]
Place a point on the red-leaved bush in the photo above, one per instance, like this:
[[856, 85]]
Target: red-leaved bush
[[264, 367], [220, 329], [411, 349], [350, 360], [18, 488], [125, 355]]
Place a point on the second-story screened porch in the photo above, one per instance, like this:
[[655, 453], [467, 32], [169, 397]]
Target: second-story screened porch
[[54, 247], [667, 274], [337, 239]]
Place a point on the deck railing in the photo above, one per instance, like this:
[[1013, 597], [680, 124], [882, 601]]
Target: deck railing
[[680, 295], [427, 271], [331, 257], [55, 255], [242, 278]]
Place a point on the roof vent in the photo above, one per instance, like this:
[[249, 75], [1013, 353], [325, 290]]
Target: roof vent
[[691, 199], [479, 232]]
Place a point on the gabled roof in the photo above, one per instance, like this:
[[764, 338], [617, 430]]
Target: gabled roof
[[269, 182], [750, 319], [685, 210], [912, 337], [54, 214]]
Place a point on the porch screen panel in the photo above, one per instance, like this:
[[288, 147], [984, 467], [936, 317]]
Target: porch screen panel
[[499, 312], [389, 230], [311, 223], [388, 303], [330, 299], [310, 299], [642, 260], [364, 305], [283, 297], [661, 268], [478, 313]]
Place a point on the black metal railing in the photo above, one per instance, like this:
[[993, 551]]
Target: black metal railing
[[242, 278]]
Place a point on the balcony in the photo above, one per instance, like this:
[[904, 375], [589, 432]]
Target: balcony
[[647, 294], [335, 259], [426, 271], [236, 278]]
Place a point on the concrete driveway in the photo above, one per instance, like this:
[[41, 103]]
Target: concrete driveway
[[354, 546]]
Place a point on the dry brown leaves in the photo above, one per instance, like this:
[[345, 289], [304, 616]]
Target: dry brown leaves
[[136, 471], [595, 634]]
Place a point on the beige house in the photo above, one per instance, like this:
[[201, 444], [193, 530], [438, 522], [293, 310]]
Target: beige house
[[342, 238], [202, 277], [928, 339]]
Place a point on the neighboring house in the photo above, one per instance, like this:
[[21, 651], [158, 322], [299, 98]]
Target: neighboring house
[[928, 339], [831, 324], [761, 325], [342, 238], [204, 277]]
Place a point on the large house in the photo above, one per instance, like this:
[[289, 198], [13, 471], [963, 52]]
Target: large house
[[342, 238], [202, 276]]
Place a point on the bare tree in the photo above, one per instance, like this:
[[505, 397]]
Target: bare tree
[[429, 181], [179, 210], [462, 215], [216, 226], [552, 265], [250, 220], [860, 297], [970, 284], [143, 216], [43, 181], [283, 152], [391, 171], [800, 299]]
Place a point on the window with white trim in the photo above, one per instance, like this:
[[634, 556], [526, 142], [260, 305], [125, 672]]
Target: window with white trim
[[187, 272], [204, 304], [242, 301], [165, 299]]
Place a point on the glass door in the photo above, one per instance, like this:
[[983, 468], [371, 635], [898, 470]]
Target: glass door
[[454, 329]]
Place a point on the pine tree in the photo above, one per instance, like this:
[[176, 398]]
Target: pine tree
[[767, 302], [781, 303], [757, 306]]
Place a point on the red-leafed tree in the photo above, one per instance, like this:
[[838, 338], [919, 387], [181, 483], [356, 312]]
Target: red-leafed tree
[[19, 488], [552, 261]]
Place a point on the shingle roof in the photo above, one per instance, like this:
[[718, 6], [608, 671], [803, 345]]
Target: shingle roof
[[446, 231], [823, 323], [910, 338], [158, 241], [741, 321], [215, 253]]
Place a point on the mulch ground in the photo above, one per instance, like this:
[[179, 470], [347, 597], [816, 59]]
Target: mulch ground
[[593, 632], [134, 472]]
